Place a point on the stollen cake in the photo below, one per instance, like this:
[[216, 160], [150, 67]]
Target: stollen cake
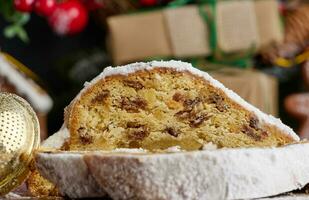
[[137, 122], [158, 105]]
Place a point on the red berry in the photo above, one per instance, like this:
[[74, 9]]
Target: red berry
[[68, 17], [23, 5], [44, 7], [93, 4], [148, 2]]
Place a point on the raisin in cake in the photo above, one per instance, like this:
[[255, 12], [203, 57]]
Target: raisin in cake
[[158, 105]]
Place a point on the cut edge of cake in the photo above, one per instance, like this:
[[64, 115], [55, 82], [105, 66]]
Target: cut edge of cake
[[180, 66]]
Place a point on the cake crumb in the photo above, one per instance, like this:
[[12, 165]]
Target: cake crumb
[[210, 146], [173, 149]]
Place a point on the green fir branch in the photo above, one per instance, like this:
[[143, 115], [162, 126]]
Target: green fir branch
[[16, 19]]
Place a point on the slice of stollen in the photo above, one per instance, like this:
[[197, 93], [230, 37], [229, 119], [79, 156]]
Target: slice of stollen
[[239, 173], [157, 105]]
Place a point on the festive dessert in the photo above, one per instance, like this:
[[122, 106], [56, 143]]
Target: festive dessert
[[142, 116], [158, 105]]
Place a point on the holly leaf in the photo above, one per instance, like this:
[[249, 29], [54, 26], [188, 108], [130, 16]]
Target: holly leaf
[[20, 18], [17, 20], [16, 31], [24, 19], [9, 31], [22, 34]]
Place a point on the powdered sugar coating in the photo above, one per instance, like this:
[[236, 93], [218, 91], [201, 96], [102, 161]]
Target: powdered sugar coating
[[127, 150], [221, 174], [184, 66], [70, 174], [56, 140], [235, 173], [173, 149]]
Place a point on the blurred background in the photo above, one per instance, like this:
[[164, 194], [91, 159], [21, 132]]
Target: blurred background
[[258, 48]]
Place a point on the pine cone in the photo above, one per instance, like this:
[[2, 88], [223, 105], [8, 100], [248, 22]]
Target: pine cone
[[296, 36], [297, 26]]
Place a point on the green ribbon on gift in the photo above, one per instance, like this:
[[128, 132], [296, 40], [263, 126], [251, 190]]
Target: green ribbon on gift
[[178, 3], [240, 59], [210, 21]]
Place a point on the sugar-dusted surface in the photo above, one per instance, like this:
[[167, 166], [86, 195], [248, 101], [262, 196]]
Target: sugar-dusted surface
[[70, 174], [239, 173], [183, 66], [56, 140]]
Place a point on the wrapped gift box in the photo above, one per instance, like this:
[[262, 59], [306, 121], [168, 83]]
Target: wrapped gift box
[[236, 25], [257, 88], [268, 22], [187, 31], [184, 32], [138, 36]]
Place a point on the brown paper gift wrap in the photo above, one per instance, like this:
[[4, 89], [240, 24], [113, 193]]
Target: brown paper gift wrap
[[236, 25], [138, 36], [188, 32], [257, 88], [268, 22]]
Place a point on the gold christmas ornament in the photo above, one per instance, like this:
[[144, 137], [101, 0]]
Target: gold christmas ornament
[[19, 138]]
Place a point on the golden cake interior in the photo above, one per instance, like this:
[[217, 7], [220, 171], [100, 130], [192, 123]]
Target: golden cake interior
[[160, 108], [39, 186]]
